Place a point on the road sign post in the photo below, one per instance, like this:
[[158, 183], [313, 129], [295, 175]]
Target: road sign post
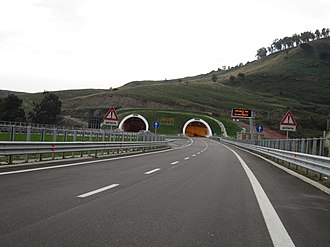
[[243, 113], [156, 125], [288, 123], [111, 117]]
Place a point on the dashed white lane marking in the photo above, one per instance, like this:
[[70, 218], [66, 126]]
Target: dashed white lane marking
[[152, 171], [98, 190], [198, 153], [175, 162], [193, 155], [187, 158], [276, 229]]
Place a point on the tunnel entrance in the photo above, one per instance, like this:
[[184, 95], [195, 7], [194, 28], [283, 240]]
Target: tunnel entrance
[[197, 128], [134, 123]]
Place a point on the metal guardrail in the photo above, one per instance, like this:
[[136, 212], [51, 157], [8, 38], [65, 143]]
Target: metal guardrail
[[28, 133], [311, 162], [11, 149]]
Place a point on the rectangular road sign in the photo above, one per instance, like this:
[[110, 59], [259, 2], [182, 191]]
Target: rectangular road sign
[[287, 128], [241, 113]]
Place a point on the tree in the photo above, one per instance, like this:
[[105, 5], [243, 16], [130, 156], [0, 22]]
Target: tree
[[11, 109], [48, 110], [288, 42], [277, 44], [296, 38], [318, 34], [262, 52], [307, 36]]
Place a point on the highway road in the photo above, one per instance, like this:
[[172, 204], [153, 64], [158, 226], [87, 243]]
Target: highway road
[[202, 194]]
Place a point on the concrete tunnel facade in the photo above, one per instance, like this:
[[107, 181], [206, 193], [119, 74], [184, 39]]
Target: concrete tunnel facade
[[197, 127], [134, 123]]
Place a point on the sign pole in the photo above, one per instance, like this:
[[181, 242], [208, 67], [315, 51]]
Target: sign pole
[[287, 134], [251, 129]]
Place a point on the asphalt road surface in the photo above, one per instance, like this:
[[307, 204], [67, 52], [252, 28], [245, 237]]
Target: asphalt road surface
[[203, 194]]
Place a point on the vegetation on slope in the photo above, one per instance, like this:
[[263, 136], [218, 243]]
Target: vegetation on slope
[[297, 79]]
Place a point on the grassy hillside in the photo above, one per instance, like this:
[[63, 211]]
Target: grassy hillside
[[296, 79]]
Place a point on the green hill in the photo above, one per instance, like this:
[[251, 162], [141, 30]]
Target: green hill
[[296, 79]]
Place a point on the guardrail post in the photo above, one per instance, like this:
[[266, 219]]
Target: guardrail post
[[42, 139], [309, 146], [12, 133], [103, 139], [28, 133], [28, 138], [302, 146], [321, 146], [314, 146]]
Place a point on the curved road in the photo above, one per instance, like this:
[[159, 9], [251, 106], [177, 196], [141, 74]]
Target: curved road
[[205, 194]]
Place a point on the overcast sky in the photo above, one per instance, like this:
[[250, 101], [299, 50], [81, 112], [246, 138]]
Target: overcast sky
[[75, 44]]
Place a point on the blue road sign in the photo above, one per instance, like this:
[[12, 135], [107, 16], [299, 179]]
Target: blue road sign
[[260, 128], [156, 124]]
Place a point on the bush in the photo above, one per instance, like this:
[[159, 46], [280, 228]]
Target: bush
[[241, 75], [214, 78], [324, 55], [305, 46]]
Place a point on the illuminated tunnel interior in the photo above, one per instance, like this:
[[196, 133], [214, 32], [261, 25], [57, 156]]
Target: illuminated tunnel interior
[[197, 128]]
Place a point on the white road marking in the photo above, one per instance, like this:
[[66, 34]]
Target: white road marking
[[187, 158], [193, 155], [297, 175], [98, 191], [276, 229], [198, 153], [152, 171], [175, 162]]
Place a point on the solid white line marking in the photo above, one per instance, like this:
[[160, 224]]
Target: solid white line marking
[[175, 162], [187, 158], [152, 171], [276, 229], [98, 191], [297, 175]]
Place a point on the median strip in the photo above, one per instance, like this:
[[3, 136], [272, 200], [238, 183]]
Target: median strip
[[98, 191], [152, 171]]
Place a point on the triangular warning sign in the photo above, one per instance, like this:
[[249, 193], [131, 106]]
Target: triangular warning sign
[[111, 115], [288, 120]]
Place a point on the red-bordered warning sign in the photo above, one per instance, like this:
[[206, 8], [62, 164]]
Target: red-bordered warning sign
[[288, 123], [111, 117]]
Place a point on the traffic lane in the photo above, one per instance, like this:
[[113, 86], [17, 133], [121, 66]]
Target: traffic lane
[[34, 196], [204, 201], [89, 173], [303, 209]]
